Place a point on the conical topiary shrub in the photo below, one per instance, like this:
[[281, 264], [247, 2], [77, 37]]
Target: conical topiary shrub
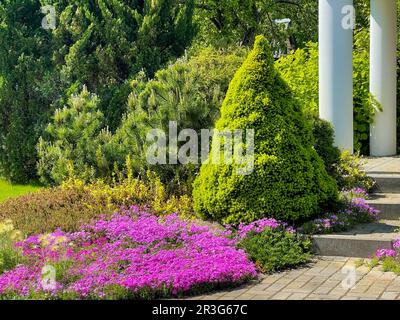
[[289, 181]]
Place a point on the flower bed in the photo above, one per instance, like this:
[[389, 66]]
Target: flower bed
[[132, 255], [354, 210], [389, 259]]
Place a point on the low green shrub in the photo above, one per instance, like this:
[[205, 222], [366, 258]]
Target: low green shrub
[[76, 203], [49, 209], [9, 255], [148, 191], [391, 264], [275, 249], [345, 168], [349, 172], [324, 144]]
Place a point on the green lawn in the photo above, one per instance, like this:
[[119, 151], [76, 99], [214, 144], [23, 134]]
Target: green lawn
[[8, 191]]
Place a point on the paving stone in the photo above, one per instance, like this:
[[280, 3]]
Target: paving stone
[[284, 281], [363, 269], [323, 290], [370, 295], [375, 273], [389, 295], [269, 280], [261, 286], [332, 282], [297, 290], [338, 276], [261, 297], [295, 284], [359, 289], [277, 286], [393, 288], [254, 291], [340, 259], [297, 296], [315, 271], [388, 276], [304, 278], [349, 298], [338, 292], [310, 286], [328, 271], [281, 296]]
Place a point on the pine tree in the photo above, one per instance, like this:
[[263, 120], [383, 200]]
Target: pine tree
[[103, 43], [98, 43]]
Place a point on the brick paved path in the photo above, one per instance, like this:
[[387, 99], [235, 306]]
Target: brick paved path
[[323, 279]]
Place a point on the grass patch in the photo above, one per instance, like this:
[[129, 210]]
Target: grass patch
[[8, 190]]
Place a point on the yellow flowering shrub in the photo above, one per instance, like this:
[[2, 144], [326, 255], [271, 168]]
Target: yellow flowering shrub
[[9, 255], [77, 202], [110, 197]]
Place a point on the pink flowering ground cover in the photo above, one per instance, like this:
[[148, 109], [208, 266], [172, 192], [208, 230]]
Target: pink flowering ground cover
[[388, 258], [132, 255], [354, 210]]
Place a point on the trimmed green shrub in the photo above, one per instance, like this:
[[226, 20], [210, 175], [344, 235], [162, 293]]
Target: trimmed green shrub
[[345, 168], [289, 181], [276, 249], [324, 144]]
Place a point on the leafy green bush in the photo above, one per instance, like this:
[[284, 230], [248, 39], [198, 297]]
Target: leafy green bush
[[275, 249], [347, 169], [9, 255], [300, 71], [324, 144], [289, 181], [350, 174]]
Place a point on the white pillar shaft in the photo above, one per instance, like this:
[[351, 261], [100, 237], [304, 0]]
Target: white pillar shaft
[[336, 69], [383, 76]]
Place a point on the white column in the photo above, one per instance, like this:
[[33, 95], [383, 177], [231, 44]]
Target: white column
[[383, 76], [336, 69]]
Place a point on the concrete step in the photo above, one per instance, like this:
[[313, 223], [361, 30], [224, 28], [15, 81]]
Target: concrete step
[[382, 165], [387, 203], [362, 241], [386, 182]]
